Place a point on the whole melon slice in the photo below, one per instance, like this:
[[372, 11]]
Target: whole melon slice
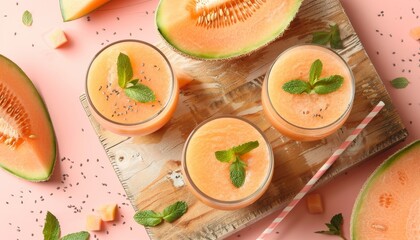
[[74, 9], [388, 206], [27, 139], [223, 29]]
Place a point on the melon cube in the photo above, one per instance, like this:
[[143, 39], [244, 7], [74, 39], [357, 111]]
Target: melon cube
[[314, 203], [108, 212], [415, 33], [56, 38], [93, 223]]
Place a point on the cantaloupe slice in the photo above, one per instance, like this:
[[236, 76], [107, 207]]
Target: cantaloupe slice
[[388, 206], [108, 212], [74, 9], [27, 138], [223, 29], [93, 223]]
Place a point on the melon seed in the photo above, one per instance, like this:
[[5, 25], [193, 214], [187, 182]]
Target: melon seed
[[379, 227], [14, 122], [217, 13]]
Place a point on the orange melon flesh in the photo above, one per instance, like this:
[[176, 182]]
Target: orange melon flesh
[[415, 33], [314, 203], [108, 212], [388, 207], [177, 21], [74, 9], [93, 223], [33, 155]]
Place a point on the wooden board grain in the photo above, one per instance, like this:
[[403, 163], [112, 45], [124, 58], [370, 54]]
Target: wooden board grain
[[149, 167]]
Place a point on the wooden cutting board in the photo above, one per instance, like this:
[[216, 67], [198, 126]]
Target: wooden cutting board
[[149, 167]]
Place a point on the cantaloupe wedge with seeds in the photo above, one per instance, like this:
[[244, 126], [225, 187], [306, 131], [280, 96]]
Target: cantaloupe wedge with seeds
[[74, 9], [388, 207], [27, 138]]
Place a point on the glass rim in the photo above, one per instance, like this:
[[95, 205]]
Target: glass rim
[[259, 190], [353, 88], [154, 116]]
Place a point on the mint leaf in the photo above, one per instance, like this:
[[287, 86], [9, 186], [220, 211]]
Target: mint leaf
[[329, 84], [140, 93], [237, 172], [334, 226], [297, 87], [315, 71], [51, 229], [225, 155], [321, 38], [125, 71], [83, 235], [148, 218], [400, 82], [27, 18], [245, 148], [332, 36], [175, 211], [335, 37]]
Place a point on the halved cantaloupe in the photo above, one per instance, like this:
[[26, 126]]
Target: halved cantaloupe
[[27, 139], [388, 207], [74, 9], [223, 29]]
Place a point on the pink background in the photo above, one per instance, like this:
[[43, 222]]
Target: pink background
[[83, 178]]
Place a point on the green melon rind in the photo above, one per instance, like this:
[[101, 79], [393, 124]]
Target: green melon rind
[[244, 52], [64, 15], [370, 182], [42, 107]]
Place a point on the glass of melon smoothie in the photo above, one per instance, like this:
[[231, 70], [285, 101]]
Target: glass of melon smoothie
[[209, 178], [307, 116], [119, 112]]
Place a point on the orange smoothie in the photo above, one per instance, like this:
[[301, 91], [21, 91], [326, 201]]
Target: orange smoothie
[[112, 108], [307, 116], [209, 178]]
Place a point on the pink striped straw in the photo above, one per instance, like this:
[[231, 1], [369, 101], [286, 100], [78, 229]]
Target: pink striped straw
[[322, 170]]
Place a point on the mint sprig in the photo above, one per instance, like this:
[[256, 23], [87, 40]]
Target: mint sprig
[[332, 36], [335, 226], [315, 84], [83, 235], [132, 88], [237, 170], [52, 230], [150, 218]]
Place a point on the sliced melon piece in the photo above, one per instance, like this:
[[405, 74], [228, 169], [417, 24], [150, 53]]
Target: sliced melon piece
[[108, 212], [56, 38], [93, 223], [74, 9], [415, 33], [314, 203], [27, 139], [388, 206], [223, 29]]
